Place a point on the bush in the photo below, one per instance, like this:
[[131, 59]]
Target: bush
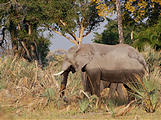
[[148, 91]]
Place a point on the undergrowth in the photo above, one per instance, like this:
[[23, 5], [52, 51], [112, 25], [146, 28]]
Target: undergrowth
[[25, 88]]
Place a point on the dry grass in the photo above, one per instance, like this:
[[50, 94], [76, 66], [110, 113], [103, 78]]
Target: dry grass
[[25, 86], [29, 92]]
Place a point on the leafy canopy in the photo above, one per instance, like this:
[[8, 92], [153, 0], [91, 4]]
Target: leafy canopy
[[73, 19]]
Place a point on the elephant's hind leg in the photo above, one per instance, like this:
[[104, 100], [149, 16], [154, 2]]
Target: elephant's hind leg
[[112, 90], [122, 92]]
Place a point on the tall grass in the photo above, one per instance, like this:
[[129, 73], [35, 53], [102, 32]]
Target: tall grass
[[147, 92], [26, 87]]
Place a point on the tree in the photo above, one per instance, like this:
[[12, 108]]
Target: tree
[[22, 19], [73, 19], [137, 10], [110, 34], [144, 17], [106, 7], [137, 16]]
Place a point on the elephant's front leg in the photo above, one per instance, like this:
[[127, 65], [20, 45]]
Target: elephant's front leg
[[86, 83], [63, 83], [94, 80]]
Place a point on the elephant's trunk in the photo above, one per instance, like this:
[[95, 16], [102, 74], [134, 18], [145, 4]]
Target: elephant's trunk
[[63, 83]]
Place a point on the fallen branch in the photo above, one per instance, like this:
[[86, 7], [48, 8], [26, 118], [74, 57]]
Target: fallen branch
[[125, 109]]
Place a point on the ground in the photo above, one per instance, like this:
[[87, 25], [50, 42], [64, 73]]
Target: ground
[[50, 113]]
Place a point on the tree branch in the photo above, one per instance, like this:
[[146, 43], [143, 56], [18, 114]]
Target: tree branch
[[87, 33], [53, 29], [70, 33], [27, 51], [81, 31]]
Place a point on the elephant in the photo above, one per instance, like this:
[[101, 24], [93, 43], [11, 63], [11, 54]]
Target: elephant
[[112, 63]]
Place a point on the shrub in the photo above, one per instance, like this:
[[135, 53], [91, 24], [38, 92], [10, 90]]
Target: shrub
[[147, 91]]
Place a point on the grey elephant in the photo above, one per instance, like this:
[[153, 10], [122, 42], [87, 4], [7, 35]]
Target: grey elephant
[[111, 63]]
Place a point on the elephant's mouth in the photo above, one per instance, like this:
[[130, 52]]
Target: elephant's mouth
[[72, 69]]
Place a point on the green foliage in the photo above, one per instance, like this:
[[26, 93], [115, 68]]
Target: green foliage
[[43, 48], [67, 17], [84, 104], [111, 105], [152, 58], [89, 104], [56, 10], [150, 35], [110, 34], [147, 94], [23, 19], [49, 93], [147, 91]]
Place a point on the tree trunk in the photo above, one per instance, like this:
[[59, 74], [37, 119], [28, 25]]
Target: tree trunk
[[26, 50], [81, 31], [119, 20]]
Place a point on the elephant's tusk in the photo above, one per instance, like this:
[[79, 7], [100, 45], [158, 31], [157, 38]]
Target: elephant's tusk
[[56, 74]]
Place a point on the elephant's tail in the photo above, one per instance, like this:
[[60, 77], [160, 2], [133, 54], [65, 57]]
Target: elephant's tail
[[142, 61]]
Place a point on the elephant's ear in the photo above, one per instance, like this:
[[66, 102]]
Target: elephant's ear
[[82, 57], [65, 65], [81, 62]]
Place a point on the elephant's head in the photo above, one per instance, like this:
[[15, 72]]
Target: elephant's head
[[76, 59]]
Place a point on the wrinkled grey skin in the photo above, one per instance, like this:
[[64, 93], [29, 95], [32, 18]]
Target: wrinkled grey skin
[[111, 63]]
